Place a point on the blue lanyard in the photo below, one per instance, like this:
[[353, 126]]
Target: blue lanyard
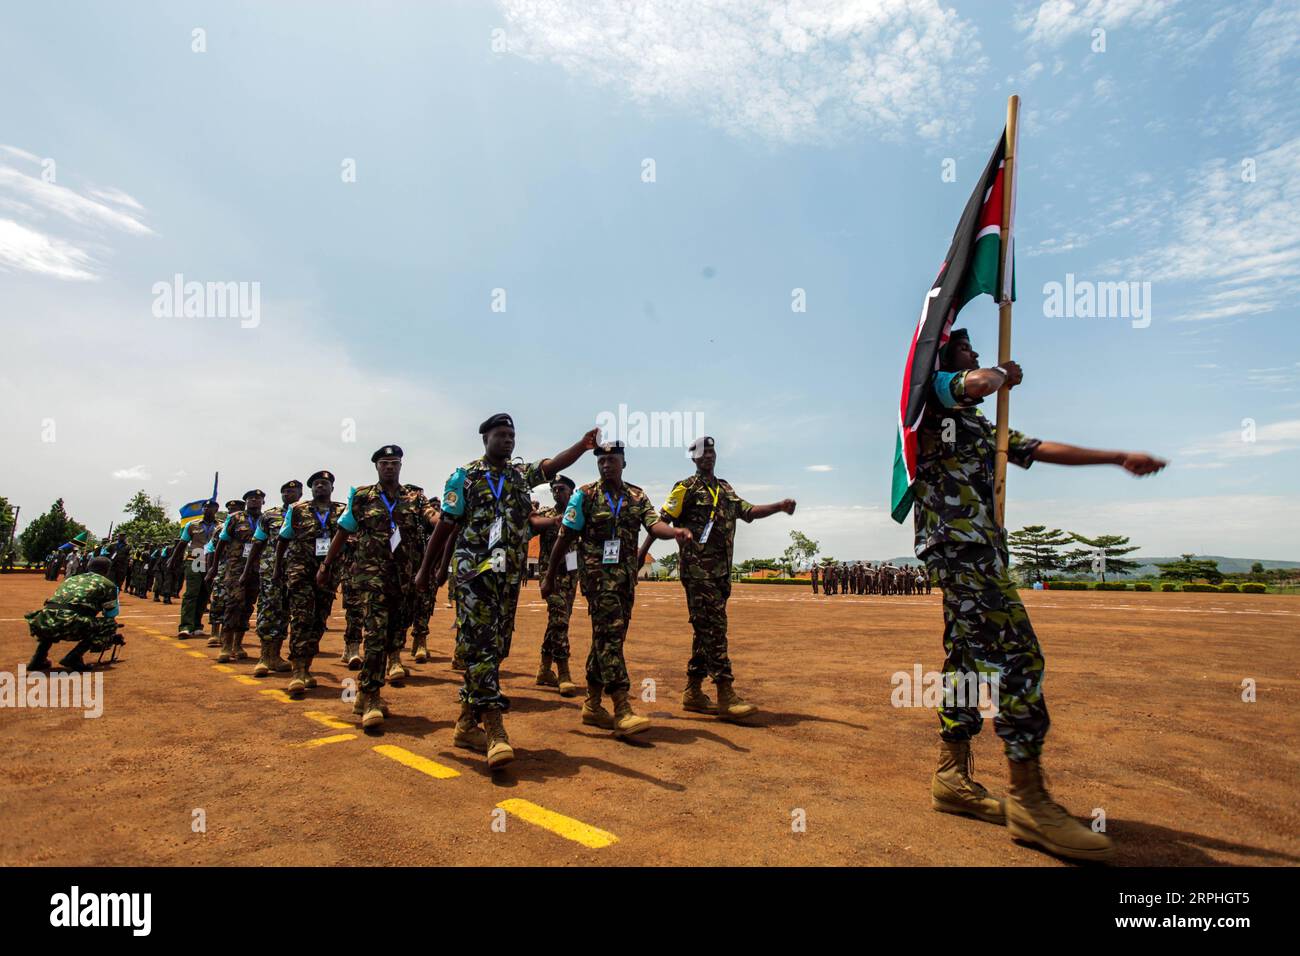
[[496, 488], [324, 522], [252, 527], [612, 508], [392, 525]]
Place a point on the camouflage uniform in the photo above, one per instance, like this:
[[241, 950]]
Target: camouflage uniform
[[353, 608], [986, 628], [238, 535], [486, 574], [610, 589], [706, 567], [308, 604], [272, 599], [384, 577], [424, 599], [559, 606], [217, 607], [72, 612], [194, 538]]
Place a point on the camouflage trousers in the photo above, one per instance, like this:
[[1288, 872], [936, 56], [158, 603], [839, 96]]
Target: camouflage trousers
[[59, 624], [706, 601], [485, 623], [195, 601], [611, 612], [423, 610], [352, 613], [272, 609], [308, 610], [385, 613], [239, 607], [987, 632], [217, 605], [559, 608]]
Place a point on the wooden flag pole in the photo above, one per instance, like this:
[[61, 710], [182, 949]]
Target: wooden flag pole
[[1005, 270]]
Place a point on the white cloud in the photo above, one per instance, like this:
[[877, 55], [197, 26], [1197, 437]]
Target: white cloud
[[1055, 21], [818, 468], [30, 251], [134, 473], [803, 70], [1268, 439]]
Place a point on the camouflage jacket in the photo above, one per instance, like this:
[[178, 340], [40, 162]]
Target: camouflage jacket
[[691, 505], [367, 518], [73, 611], [590, 515], [301, 528], [954, 479], [238, 534], [194, 538], [469, 501], [268, 529], [547, 543]]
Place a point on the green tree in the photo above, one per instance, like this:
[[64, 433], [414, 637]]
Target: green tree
[[750, 565], [669, 563], [1191, 568], [1038, 551], [1109, 548], [6, 523], [802, 550], [49, 531], [148, 524]]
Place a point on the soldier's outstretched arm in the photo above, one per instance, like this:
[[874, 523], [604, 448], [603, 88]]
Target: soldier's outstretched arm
[[553, 466], [441, 531], [557, 558], [776, 507], [664, 531], [985, 381], [1134, 462]]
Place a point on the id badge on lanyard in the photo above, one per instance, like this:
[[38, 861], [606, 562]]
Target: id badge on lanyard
[[708, 528], [395, 538], [612, 545], [322, 547], [571, 560], [610, 555], [494, 534], [323, 539]]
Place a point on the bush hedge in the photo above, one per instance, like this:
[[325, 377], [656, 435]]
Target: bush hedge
[[1169, 587], [804, 581], [1202, 588], [1111, 586], [1067, 585], [1141, 587], [1253, 588], [1229, 589]]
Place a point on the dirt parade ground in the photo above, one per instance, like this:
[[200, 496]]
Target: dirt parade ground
[[193, 762]]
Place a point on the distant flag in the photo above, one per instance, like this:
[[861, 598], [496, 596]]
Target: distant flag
[[193, 510], [970, 268], [79, 539]]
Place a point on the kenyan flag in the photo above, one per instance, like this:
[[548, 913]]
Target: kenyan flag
[[971, 267]]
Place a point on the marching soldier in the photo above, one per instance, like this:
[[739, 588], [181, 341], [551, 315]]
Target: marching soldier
[[190, 549], [385, 520], [709, 507], [987, 629], [234, 545], [217, 585], [300, 549], [606, 518], [488, 502], [272, 601], [424, 599], [559, 605]]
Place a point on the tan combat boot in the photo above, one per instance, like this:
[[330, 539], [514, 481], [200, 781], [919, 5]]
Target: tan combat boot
[[593, 714], [308, 676], [420, 649], [730, 703], [468, 733], [298, 682], [567, 687], [373, 711], [396, 673], [225, 649], [359, 705], [499, 751], [545, 676], [626, 722], [263, 666], [237, 652], [352, 656], [694, 698], [215, 639], [278, 663], [457, 659], [1034, 817], [953, 789]]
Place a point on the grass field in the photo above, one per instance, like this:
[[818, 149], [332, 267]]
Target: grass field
[[1145, 693]]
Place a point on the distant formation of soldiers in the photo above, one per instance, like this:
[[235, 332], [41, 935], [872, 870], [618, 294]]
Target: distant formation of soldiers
[[858, 577]]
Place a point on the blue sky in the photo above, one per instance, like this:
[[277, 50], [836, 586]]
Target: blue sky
[[795, 146]]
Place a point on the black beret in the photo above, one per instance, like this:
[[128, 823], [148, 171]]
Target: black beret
[[388, 451], [234, 503], [254, 493], [564, 480], [327, 475], [291, 485], [414, 488], [500, 418], [609, 448]]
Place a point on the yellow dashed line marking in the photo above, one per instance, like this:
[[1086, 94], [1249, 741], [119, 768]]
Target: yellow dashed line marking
[[322, 741], [416, 762], [591, 837], [275, 694], [198, 654], [327, 720], [250, 681], [224, 668]]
